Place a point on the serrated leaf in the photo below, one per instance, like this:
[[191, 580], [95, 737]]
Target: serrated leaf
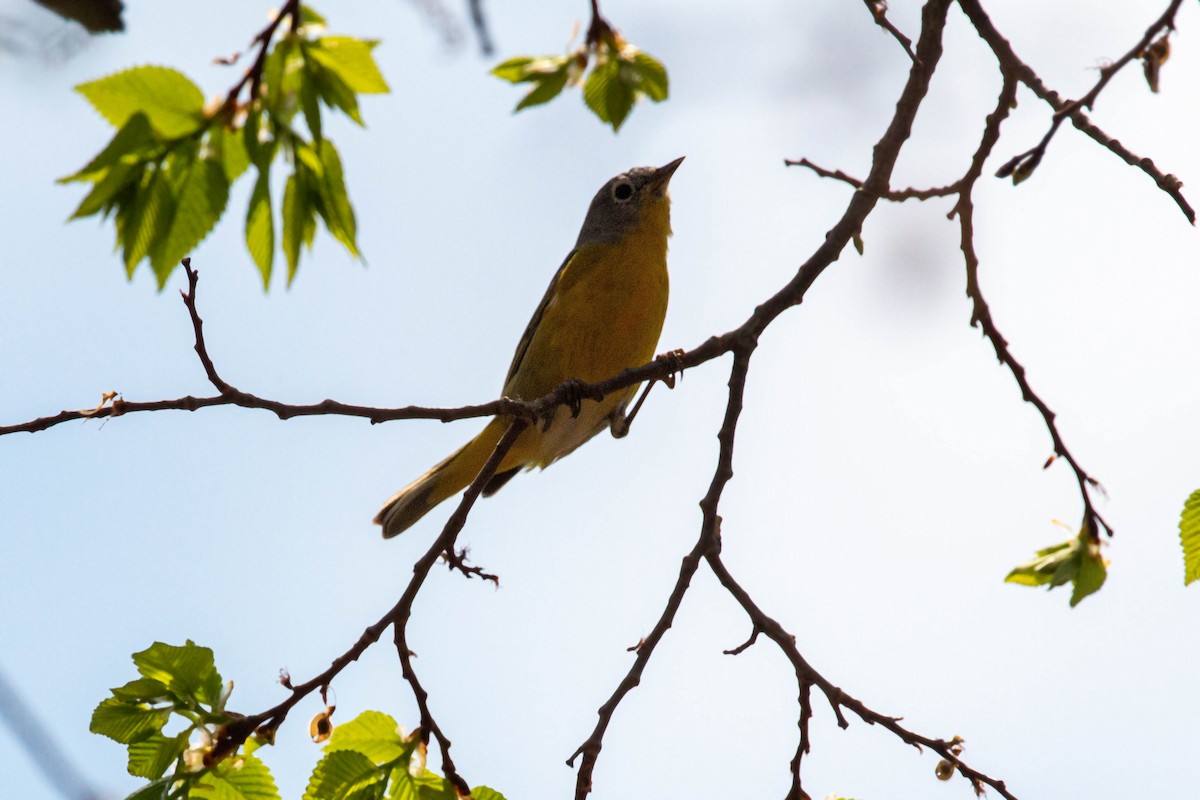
[[173, 104], [296, 217], [243, 777], [141, 690], [336, 94], [126, 722], [652, 75], [260, 228], [117, 179], [1189, 538], [340, 774], [335, 205], [546, 89], [351, 60], [144, 221], [152, 756], [199, 202], [374, 734], [608, 94], [188, 671], [134, 142]]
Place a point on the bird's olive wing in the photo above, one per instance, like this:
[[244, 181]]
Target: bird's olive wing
[[531, 328]]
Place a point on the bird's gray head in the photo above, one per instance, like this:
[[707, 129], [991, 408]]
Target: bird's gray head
[[621, 203]]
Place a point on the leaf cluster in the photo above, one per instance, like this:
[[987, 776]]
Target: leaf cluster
[[166, 174], [373, 758], [179, 687], [1076, 561], [172, 715], [620, 74]]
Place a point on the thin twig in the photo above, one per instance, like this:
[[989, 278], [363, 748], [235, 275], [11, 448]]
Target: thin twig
[[1010, 62], [268, 721], [895, 195], [253, 75], [878, 9]]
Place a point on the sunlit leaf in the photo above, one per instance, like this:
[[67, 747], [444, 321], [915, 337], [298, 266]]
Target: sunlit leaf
[[260, 228], [351, 60], [173, 104], [1189, 537]]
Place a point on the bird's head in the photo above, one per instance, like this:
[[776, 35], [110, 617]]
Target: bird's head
[[627, 202]]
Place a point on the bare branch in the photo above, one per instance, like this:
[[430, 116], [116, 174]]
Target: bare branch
[[1028, 160], [878, 9], [268, 721]]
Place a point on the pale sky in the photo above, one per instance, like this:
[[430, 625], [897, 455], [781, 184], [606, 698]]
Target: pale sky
[[887, 473]]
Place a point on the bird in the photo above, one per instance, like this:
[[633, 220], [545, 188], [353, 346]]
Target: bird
[[602, 313]]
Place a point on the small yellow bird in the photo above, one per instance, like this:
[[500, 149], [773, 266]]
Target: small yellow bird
[[603, 313]]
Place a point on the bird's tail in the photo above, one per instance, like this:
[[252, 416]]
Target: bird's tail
[[445, 480]]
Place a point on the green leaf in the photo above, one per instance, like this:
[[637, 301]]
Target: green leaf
[[105, 192], [200, 201], [297, 218], [260, 145], [242, 777], [260, 228], [309, 103], [1076, 561], [342, 774], [142, 690], [172, 103], [1189, 537], [152, 756], [431, 786], [229, 147], [485, 793], [187, 672], [310, 17], [338, 213], [374, 734], [143, 222], [336, 94], [133, 143], [515, 70], [1091, 574], [126, 722], [156, 790], [608, 94], [283, 72], [546, 89], [351, 60], [651, 75]]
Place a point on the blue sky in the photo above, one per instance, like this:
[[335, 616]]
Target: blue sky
[[887, 473]]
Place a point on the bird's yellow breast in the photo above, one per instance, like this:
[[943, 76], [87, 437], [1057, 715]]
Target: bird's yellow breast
[[605, 315]]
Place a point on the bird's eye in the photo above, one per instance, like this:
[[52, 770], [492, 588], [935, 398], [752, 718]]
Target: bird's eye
[[622, 191]]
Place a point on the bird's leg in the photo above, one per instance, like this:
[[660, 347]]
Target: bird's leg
[[619, 421], [572, 390]]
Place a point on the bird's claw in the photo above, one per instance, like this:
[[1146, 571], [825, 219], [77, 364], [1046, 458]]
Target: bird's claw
[[675, 358]]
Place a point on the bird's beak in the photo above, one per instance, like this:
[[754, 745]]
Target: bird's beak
[[662, 176]]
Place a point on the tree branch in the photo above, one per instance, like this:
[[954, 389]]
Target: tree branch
[[268, 721], [1028, 160]]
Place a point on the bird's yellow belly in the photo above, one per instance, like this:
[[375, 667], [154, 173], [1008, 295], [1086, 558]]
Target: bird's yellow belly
[[602, 322]]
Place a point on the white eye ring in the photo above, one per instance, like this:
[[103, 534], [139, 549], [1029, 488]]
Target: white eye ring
[[622, 191]]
